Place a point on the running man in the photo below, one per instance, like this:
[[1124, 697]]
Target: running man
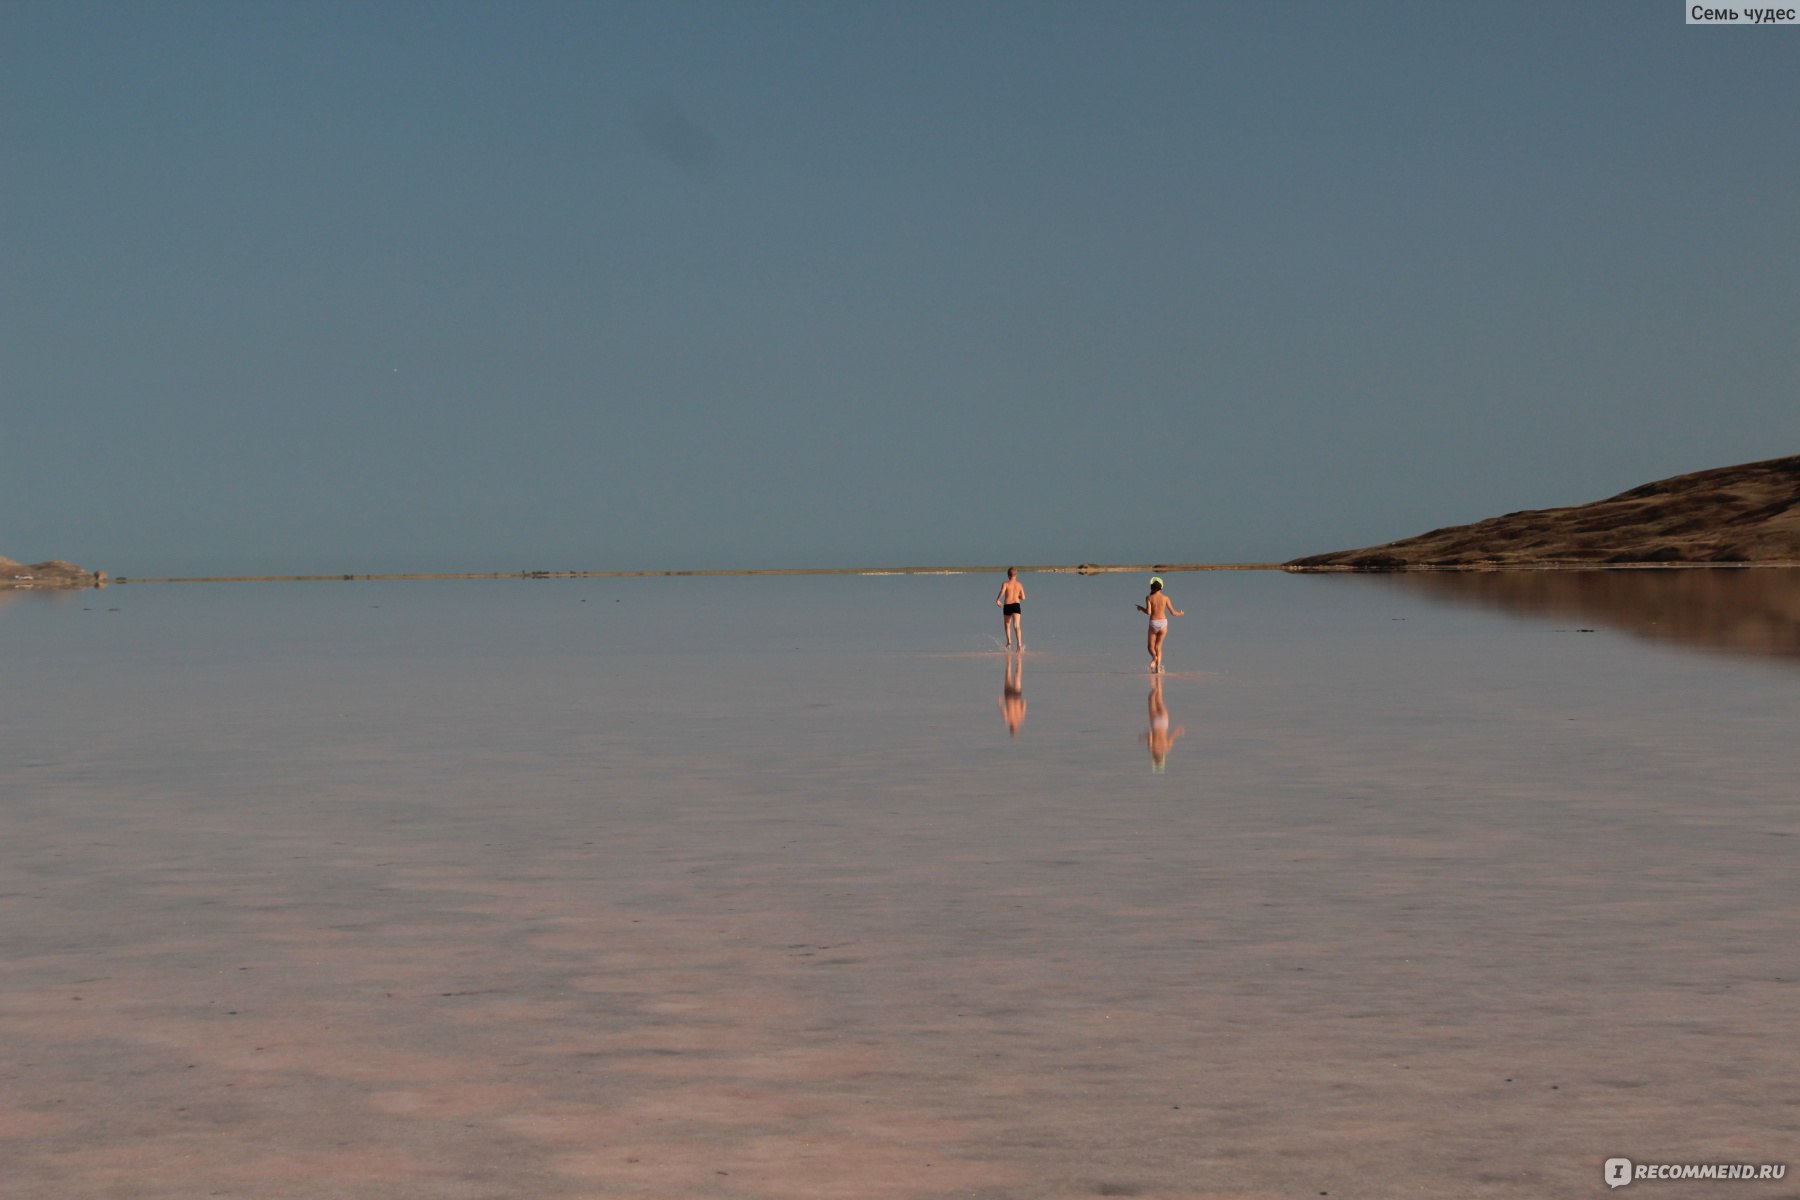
[[1012, 601], [1157, 605]]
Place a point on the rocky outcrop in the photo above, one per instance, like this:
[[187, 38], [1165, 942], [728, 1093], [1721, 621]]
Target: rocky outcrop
[[53, 574], [1742, 514]]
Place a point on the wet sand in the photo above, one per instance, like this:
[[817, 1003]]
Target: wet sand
[[1415, 910]]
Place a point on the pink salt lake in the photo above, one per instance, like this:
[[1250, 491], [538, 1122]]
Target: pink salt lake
[[742, 888]]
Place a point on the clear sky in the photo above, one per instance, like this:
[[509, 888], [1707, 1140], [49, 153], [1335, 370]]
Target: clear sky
[[353, 286]]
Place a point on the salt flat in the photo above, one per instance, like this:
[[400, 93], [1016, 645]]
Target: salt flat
[[744, 888]]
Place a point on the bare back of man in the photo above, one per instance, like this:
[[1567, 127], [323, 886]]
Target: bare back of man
[[1012, 605]]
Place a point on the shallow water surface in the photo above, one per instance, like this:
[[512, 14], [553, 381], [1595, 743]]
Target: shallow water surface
[[778, 887]]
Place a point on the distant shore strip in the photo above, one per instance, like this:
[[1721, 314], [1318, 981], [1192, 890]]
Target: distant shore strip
[[1080, 569]]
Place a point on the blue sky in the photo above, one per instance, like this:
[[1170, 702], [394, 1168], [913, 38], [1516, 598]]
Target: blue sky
[[414, 286]]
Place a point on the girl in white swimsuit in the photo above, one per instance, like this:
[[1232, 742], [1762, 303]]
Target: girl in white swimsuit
[[1159, 609]]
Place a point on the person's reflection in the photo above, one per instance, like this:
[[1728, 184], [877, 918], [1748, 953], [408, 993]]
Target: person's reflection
[[1012, 693], [1160, 737]]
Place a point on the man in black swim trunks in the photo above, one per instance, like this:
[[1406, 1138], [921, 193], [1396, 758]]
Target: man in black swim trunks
[[1012, 601]]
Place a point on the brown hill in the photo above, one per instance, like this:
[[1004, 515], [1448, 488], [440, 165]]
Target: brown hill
[[1748, 513], [53, 574]]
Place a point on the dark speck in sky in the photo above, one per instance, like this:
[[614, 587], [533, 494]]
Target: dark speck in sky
[[671, 134]]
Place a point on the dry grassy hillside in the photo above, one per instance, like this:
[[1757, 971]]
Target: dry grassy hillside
[[1748, 513], [53, 574]]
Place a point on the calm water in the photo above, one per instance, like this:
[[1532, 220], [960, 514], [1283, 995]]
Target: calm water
[[796, 887]]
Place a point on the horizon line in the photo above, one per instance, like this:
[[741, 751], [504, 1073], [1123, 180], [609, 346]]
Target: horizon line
[[1039, 569]]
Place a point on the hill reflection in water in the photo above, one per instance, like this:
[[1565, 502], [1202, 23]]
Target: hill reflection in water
[[1753, 611]]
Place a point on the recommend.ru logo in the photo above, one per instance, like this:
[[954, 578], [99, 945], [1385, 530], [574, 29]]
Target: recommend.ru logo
[[1620, 1171]]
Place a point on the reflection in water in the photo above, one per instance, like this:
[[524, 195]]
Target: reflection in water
[[1747, 610], [1160, 737], [485, 886], [47, 597], [1012, 693]]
